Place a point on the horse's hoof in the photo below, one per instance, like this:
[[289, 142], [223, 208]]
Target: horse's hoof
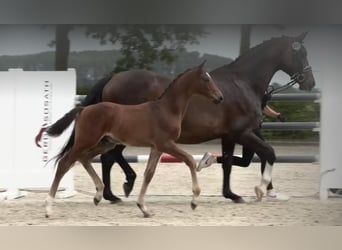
[[259, 193], [235, 198], [115, 201], [96, 201], [127, 188], [240, 200], [193, 205], [111, 197]]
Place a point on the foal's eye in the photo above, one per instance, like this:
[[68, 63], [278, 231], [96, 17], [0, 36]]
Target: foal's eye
[[206, 79]]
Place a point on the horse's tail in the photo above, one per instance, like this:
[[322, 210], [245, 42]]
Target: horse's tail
[[62, 124], [66, 147], [95, 94], [59, 126]]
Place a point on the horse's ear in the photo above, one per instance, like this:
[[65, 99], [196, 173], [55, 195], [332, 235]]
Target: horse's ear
[[301, 37], [202, 64]]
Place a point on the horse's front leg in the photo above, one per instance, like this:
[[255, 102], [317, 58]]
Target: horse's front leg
[[266, 153], [228, 145], [148, 175], [107, 161], [128, 170]]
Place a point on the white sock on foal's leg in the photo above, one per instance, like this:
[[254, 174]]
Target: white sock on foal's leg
[[48, 206]]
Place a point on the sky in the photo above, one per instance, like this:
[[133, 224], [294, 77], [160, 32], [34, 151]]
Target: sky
[[221, 40]]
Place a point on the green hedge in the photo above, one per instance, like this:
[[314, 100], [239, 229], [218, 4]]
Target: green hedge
[[300, 111]]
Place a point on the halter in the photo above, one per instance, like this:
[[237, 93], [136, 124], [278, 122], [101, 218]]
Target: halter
[[297, 77]]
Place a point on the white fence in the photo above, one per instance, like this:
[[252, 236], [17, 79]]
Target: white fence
[[29, 99]]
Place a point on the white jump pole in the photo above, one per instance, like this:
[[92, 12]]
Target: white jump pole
[[29, 99]]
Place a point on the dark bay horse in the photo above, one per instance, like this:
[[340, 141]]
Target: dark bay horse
[[99, 127], [243, 83]]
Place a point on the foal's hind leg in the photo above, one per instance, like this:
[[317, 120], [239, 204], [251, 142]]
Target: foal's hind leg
[[148, 174], [63, 166], [96, 179], [173, 150]]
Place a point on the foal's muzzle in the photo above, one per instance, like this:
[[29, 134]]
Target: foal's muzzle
[[218, 99]]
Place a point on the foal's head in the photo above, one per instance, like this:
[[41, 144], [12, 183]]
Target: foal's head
[[295, 63], [204, 84]]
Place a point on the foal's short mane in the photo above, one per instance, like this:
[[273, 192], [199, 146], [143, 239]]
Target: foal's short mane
[[173, 81]]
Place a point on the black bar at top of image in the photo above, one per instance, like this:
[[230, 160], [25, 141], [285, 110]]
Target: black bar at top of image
[[168, 12]]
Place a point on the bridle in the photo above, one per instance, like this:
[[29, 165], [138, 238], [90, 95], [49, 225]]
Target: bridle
[[298, 77]]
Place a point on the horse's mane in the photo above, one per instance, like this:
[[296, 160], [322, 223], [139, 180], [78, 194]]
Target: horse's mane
[[252, 51], [172, 82]]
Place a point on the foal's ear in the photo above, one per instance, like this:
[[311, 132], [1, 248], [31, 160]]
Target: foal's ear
[[301, 37]]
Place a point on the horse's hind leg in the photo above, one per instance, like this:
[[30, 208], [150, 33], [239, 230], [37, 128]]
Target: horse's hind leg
[[173, 150], [107, 161], [148, 174], [96, 179], [63, 166]]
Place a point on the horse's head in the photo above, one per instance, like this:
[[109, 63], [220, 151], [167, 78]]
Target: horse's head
[[205, 85], [295, 62]]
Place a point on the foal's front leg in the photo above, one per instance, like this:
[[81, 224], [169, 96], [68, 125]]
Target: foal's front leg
[[173, 150], [149, 172]]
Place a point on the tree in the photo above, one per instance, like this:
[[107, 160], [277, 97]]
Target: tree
[[245, 41], [246, 30], [143, 45], [62, 44]]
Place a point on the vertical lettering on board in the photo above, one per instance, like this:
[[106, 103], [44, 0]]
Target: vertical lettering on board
[[47, 98]]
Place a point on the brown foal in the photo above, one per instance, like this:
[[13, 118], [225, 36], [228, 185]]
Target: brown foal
[[155, 124]]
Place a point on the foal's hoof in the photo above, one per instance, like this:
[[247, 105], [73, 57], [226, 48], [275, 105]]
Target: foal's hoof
[[259, 193], [193, 205], [143, 210], [127, 187], [147, 215], [96, 201]]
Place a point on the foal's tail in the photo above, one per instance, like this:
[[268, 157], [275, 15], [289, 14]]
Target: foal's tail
[[59, 126]]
